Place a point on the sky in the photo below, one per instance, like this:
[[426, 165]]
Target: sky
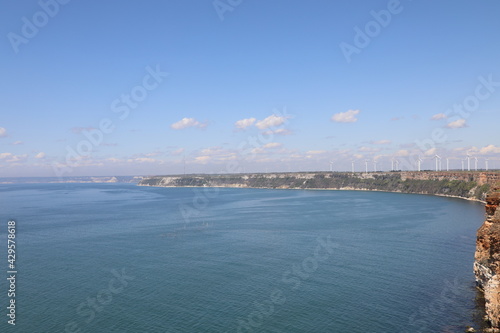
[[101, 88]]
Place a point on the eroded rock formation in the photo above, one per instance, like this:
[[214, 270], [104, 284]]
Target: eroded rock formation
[[487, 258]]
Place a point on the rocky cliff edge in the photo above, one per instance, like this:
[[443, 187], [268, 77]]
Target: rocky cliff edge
[[487, 259]]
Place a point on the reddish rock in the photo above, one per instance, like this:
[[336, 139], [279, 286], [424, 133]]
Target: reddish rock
[[487, 258]]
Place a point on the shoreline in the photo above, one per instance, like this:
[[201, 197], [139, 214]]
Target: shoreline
[[471, 186], [324, 189]]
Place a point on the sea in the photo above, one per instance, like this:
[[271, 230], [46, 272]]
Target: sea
[[124, 258]]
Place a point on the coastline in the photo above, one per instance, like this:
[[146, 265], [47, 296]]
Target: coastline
[[321, 189], [472, 186]]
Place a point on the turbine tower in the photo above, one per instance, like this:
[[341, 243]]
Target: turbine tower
[[419, 163], [447, 164], [397, 165], [468, 162], [463, 163], [486, 164], [331, 166], [352, 166], [475, 162], [366, 166], [438, 159], [392, 164], [374, 165]]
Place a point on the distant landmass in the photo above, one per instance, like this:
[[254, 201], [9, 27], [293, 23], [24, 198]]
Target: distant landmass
[[467, 185], [81, 179]]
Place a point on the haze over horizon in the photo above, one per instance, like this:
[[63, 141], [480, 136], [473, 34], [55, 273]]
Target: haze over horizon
[[167, 87]]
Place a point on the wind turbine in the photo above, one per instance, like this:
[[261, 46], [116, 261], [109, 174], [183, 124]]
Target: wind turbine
[[486, 163], [419, 163], [366, 166], [475, 162], [463, 162], [397, 165], [331, 166], [352, 166], [374, 165], [437, 163], [392, 164], [468, 162], [447, 164]]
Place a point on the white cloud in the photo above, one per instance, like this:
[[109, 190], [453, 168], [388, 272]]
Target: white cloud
[[490, 149], [369, 149], [15, 143], [177, 152], [40, 155], [264, 149], [271, 121], [18, 158], [244, 123], [11, 158], [381, 142], [431, 152], [144, 160], [439, 116], [460, 123], [153, 154], [212, 151], [215, 155], [279, 131], [402, 152], [186, 123], [5, 155], [3, 132], [272, 145], [315, 152], [346, 117], [258, 150], [202, 159]]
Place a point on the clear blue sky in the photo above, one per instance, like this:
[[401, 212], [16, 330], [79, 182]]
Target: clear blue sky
[[260, 85]]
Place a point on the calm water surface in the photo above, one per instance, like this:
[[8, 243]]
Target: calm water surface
[[122, 258]]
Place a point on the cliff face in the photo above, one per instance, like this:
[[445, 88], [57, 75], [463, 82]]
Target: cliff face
[[469, 185], [487, 258], [480, 178]]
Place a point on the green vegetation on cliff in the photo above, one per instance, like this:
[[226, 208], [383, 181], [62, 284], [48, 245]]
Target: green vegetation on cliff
[[463, 185]]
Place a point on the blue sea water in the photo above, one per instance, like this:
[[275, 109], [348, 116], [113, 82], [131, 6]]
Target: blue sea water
[[124, 258]]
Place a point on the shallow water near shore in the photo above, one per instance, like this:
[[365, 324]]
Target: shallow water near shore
[[124, 258]]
